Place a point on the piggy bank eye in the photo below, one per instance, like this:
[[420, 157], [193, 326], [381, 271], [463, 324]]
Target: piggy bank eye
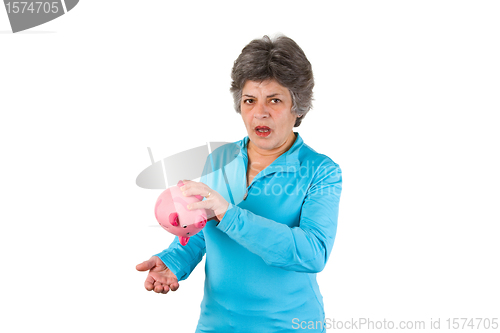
[[184, 226]]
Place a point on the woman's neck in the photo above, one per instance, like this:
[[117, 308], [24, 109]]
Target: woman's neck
[[257, 154], [259, 159]]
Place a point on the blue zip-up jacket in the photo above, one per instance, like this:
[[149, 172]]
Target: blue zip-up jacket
[[263, 256]]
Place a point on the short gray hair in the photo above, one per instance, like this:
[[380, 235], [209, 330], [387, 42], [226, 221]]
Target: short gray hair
[[280, 59]]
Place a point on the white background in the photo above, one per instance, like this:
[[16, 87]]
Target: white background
[[406, 101]]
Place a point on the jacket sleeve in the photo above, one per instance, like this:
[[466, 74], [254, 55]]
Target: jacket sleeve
[[182, 260], [304, 248]]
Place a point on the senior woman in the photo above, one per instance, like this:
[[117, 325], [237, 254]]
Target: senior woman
[[274, 206]]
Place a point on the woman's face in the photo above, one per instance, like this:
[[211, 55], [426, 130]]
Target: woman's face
[[266, 111]]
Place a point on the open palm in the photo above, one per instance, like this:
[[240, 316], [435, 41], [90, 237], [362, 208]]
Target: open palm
[[160, 278]]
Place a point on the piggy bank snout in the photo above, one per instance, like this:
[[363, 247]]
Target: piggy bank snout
[[202, 221]]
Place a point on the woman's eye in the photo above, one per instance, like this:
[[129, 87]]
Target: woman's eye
[[275, 100], [248, 101]]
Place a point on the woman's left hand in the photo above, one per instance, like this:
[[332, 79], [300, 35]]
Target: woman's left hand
[[214, 202]]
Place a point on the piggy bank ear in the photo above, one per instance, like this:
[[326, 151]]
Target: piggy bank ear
[[173, 218]]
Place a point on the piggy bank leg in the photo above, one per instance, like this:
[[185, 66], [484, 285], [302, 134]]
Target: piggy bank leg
[[184, 240]]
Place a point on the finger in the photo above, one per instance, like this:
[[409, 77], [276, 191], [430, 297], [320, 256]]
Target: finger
[[186, 184], [161, 288], [189, 190], [149, 283], [166, 289], [146, 265], [158, 288], [174, 286], [205, 204], [195, 188]]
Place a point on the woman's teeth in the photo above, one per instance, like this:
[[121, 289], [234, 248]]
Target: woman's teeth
[[263, 131]]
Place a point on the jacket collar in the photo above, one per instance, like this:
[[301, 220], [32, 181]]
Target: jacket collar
[[289, 158]]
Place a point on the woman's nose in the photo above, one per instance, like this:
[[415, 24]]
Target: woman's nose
[[261, 111]]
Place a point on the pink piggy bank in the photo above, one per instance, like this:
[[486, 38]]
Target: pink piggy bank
[[172, 213]]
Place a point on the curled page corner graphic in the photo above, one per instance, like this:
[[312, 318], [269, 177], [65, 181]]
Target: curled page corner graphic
[[189, 164], [27, 14]]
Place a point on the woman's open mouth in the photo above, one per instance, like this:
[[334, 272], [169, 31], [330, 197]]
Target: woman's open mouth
[[262, 131]]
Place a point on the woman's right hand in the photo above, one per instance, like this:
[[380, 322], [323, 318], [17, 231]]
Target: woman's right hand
[[160, 278]]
